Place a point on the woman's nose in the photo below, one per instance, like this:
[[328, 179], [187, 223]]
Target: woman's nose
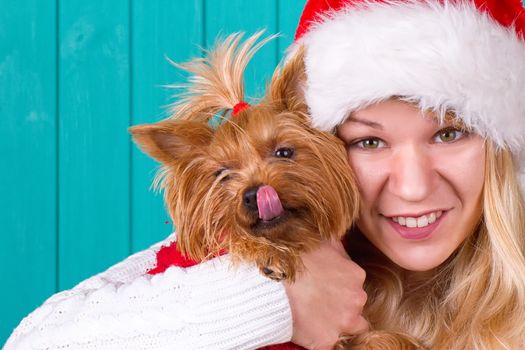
[[412, 174]]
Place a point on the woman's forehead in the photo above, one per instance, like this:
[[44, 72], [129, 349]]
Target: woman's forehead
[[393, 112]]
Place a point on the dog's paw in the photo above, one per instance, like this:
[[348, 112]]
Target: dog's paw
[[273, 273]]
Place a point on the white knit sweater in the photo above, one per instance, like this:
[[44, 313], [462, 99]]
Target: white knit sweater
[[207, 306]]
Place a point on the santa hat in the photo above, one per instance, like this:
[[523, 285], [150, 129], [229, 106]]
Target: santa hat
[[465, 56]]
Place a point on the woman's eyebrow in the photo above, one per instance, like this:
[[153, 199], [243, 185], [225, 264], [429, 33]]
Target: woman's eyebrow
[[369, 123]]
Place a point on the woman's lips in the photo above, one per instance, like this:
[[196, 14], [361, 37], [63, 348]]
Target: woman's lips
[[416, 233]]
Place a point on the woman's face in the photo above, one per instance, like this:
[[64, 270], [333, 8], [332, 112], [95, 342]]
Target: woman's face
[[421, 182]]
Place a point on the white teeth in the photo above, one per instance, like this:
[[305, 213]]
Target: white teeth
[[411, 222], [421, 221]]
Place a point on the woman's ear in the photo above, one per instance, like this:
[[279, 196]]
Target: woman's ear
[[287, 85], [168, 140]]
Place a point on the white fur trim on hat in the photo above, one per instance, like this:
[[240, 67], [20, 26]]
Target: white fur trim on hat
[[443, 56]]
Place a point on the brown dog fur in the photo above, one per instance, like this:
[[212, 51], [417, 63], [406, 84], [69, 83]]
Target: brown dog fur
[[207, 172]]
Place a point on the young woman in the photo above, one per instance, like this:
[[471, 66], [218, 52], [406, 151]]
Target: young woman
[[428, 97], [435, 269]]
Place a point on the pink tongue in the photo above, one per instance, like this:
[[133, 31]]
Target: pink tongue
[[268, 203]]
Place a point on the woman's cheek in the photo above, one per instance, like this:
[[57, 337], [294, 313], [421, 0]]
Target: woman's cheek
[[370, 174], [464, 168]]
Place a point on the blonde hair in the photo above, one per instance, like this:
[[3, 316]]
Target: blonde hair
[[216, 80], [476, 299]]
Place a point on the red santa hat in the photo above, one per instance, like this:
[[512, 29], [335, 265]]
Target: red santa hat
[[465, 56]]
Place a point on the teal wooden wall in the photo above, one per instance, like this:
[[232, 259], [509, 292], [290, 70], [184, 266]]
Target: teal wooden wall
[[74, 74]]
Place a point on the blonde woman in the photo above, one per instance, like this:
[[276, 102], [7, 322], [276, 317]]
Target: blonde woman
[[428, 97], [441, 229]]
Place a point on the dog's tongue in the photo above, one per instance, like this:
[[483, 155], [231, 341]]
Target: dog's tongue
[[268, 203]]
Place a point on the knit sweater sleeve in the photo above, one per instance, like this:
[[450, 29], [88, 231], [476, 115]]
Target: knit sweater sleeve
[[213, 305]]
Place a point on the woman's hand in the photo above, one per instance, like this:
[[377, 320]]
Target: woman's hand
[[327, 299]]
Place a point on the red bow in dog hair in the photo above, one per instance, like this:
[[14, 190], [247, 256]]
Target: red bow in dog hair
[[239, 107], [171, 256]]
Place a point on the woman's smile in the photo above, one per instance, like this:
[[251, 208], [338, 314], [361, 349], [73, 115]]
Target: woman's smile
[[421, 181], [416, 227]]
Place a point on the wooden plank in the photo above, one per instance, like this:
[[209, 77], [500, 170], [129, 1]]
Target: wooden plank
[[289, 12], [27, 157], [161, 29], [225, 17], [94, 145]]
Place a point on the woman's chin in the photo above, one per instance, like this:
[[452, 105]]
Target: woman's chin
[[418, 259]]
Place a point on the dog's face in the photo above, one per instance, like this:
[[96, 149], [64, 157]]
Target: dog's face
[[263, 183]]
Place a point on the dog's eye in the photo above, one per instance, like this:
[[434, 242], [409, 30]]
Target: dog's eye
[[220, 172], [284, 152]]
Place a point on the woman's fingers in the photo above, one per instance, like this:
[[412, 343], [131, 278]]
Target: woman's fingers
[[327, 299]]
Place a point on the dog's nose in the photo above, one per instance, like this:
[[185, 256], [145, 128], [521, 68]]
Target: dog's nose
[[250, 199]]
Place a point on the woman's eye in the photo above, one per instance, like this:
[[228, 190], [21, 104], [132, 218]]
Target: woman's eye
[[448, 135], [370, 143], [284, 152]]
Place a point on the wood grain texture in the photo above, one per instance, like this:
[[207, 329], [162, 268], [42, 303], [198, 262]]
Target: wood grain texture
[[288, 13], [27, 158], [161, 29], [94, 145], [75, 192], [225, 17]]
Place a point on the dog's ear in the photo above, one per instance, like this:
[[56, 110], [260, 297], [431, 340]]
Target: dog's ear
[[287, 85], [168, 140]]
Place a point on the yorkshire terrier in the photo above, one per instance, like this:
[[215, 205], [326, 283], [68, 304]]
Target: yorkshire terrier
[[263, 185]]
